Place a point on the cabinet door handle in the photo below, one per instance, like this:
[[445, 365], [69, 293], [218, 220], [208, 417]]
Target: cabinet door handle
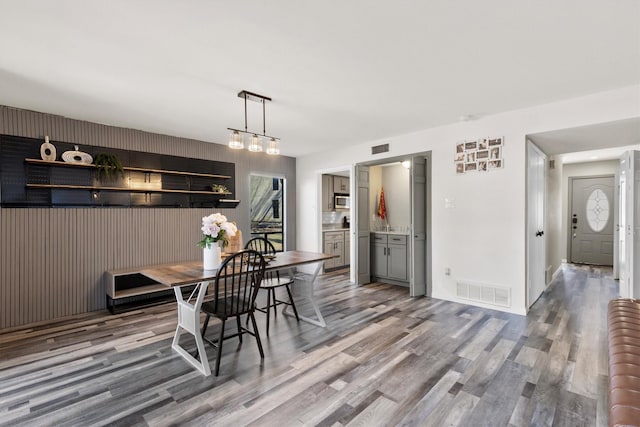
[[388, 251], [384, 251]]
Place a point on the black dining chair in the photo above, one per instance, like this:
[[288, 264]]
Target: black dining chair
[[272, 280], [236, 286]]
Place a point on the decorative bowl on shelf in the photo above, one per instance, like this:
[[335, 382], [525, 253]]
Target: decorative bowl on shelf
[[76, 156]]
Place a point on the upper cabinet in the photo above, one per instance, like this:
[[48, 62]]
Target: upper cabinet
[[327, 193], [341, 184], [332, 185]]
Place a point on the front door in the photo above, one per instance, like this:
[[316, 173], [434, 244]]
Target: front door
[[591, 220]]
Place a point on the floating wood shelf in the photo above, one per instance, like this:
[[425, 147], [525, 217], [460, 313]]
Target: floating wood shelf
[[226, 203], [128, 190], [127, 168]]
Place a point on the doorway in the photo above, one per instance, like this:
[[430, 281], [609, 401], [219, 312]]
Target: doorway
[[591, 220], [418, 233]]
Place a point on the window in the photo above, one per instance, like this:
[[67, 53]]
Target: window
[[267, 209]]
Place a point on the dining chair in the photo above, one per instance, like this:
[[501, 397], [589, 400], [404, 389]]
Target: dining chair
[[272, 280], [236, 286]]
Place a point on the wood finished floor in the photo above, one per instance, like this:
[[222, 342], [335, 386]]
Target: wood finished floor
[[384, 359]]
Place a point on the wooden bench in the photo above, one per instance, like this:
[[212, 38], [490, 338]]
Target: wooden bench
[[128, 288], [623, 325]]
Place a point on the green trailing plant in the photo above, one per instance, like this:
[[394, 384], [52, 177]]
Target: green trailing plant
[[108, 166]]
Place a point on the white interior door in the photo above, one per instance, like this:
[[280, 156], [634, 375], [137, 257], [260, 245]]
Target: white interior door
[[622, 269], [363, 233], [536, 209]]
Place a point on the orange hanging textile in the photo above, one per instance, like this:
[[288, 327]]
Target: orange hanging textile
[[382, 209]]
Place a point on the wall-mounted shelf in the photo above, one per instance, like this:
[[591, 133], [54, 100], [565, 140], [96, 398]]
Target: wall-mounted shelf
[[227, 203], [128, 190], [147, 179], [149, 170]]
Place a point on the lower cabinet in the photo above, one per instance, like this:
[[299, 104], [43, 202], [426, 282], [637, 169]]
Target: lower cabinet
[[337, 243], [389, 257]]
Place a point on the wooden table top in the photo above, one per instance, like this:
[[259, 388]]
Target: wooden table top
[[189, 272]]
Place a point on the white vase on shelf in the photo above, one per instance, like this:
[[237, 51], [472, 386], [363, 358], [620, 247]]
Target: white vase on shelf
[[48, 150], [211, 256]]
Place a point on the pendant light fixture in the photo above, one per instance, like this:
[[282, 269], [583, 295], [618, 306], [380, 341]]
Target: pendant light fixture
[[236, 139]]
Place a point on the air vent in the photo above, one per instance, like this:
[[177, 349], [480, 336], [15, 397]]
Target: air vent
[[384, 148], [488, 294], [552, 164]]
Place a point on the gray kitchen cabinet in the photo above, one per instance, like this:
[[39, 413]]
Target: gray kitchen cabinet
[[347, 247], [397, 255], [334, 245], [327, 193], [341, 184], [337, 243], [389, 257]]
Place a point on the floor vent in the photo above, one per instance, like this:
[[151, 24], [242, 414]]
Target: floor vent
[[488, 294]]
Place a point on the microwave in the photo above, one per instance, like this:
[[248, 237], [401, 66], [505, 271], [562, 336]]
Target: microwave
[[341, 201]]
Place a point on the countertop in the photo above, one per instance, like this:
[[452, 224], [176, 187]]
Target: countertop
[[401, 233], [334, 227]]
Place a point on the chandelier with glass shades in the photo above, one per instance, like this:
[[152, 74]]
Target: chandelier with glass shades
[[236, 139]]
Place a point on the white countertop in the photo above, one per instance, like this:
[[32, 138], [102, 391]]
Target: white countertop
[[401, 233], [333, 227]]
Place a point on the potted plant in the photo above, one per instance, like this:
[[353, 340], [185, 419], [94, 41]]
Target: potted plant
[[108, 166]]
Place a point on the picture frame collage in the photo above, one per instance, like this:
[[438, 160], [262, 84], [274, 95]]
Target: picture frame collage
[[481, 155]]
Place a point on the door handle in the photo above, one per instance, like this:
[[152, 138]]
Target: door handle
[[384, 251], [539, 233]]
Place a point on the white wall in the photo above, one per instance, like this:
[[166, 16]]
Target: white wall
[[375, 182], [394, 178], [481, 236]]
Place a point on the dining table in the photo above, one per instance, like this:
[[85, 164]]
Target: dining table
[[191, 274]]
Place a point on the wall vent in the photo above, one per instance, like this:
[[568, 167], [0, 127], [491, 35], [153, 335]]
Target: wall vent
[[384, 148], [552, 164], [488, 294]]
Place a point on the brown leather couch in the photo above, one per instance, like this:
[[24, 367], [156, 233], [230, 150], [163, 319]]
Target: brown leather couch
[[623, 323]]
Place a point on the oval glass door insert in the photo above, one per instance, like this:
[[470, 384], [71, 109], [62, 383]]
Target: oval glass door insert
[[597, 210]]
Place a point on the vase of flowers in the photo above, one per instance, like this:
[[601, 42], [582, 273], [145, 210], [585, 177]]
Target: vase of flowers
[[216, 231]]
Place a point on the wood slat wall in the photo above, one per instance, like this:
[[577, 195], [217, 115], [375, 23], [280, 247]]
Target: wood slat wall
[[52, 260]]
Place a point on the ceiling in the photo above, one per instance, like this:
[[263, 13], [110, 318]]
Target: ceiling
[[338, 72], [602, 141]]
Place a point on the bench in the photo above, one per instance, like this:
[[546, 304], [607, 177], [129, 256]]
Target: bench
[[623, 325], [128, 288]]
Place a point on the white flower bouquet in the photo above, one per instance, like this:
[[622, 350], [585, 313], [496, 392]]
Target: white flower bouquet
[[216, 228]]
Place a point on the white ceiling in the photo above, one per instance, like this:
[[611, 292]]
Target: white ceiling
[[339, 72], [602, 141]]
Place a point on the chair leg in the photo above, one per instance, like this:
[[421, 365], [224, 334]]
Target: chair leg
[[275, 302], [257, 335], [293, 305], [268, 308], [220, 347], [239, 329]]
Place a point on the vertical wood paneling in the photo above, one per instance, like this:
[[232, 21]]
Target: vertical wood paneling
[[52, 260]]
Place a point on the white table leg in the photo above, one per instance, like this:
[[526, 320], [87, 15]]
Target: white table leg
[[189, 320], [319, 321]]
